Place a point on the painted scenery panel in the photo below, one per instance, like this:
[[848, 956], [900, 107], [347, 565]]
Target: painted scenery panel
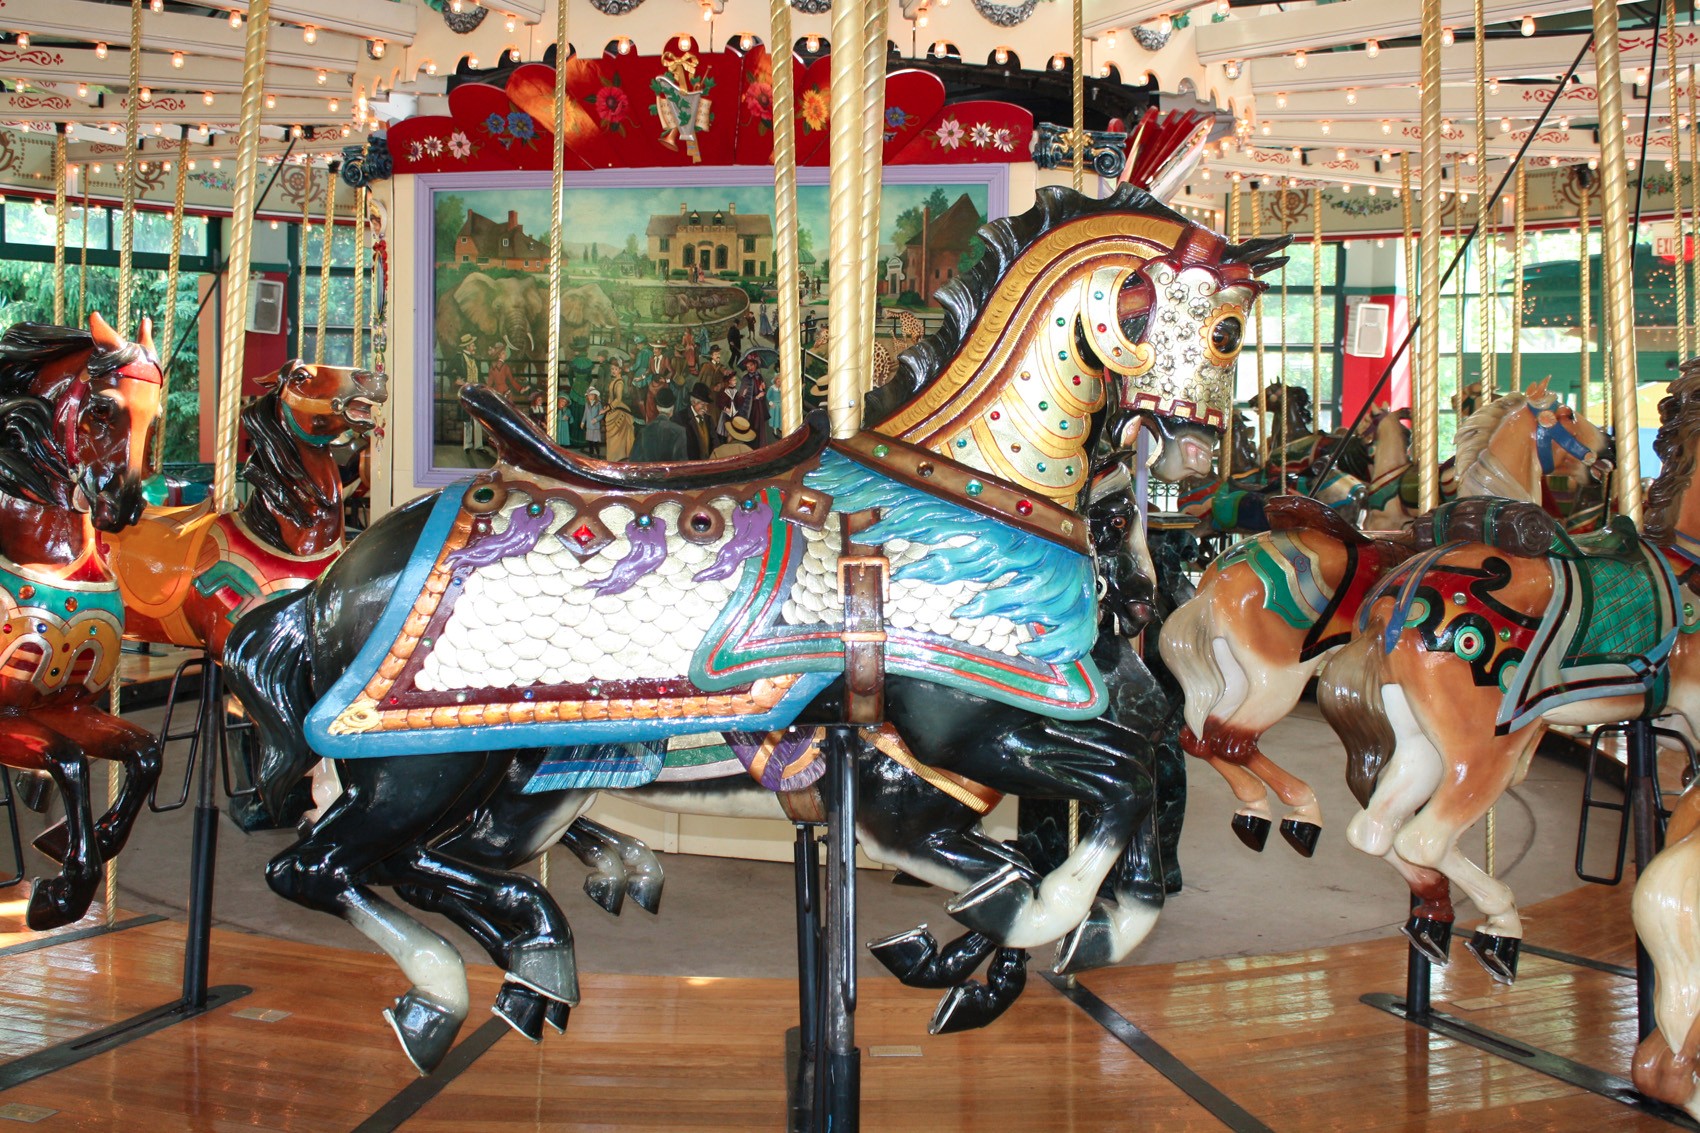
[[668, 313]]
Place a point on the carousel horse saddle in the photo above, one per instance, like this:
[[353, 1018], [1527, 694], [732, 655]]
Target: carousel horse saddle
[[526, 447], [1301, 513], [1522, 529]]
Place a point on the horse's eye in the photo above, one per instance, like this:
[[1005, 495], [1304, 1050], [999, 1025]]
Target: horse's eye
[[101, 408], [1119, 521], [1226, 335]]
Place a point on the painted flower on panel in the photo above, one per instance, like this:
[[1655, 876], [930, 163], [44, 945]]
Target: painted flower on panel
[[434, 146], [415, 151], [521, 126], [496, 124], [758, 101], [949, 134], [896, 119], [460, 145], [612, 108], [1004, 140], [980, 134], [815, 108]]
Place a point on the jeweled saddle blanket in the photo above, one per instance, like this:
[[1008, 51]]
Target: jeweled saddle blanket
[[540, 614]]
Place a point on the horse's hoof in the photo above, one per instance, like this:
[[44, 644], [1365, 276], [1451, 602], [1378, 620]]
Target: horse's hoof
[[994, 904], [35, 790], [54, 842], [645, 890], [556, 1013], [58, 901], [608, 892], [1252, 829], [964, 1008], [547, 968], [1301, 836], [1090, 944], [1496, 954], [425, 1027], [906, 953], [520, 1008], [1431, 938]]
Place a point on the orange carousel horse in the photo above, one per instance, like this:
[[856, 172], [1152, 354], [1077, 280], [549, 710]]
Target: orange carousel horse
[[1470, 651], [1272, 610], [187, 573], [76, 410]]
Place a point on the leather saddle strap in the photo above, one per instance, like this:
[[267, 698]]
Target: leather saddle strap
[[862, 574]]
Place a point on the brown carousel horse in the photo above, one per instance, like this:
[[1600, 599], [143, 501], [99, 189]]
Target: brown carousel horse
[[1471, 650], [187, 573], [1270, 612], [76, 408]]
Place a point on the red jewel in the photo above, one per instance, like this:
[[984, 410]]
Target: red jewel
[[1077, 379], [1024, 507], [71, 604], [1102, 328], [26, 592], [996, 415], [395, 700], [584, 535]]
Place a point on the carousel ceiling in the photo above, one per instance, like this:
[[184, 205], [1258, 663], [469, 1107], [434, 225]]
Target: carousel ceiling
[[1309, 95]]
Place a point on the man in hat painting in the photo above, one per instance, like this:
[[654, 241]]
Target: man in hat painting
[[663, 439], [749, 400], [739, 434], [693, 415]]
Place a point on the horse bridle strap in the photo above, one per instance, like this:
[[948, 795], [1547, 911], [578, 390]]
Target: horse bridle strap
[[862, 580], [1549, 428]]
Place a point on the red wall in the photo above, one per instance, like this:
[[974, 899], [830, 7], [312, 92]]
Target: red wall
[[1359, 375], [262, 354]]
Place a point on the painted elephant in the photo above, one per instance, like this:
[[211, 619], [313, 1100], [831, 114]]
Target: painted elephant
[[514, 310]]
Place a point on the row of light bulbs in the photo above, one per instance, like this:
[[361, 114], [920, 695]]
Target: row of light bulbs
[[1372, 48]]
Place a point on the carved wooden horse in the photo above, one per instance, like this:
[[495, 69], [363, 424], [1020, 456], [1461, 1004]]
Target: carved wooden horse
[[76, 409], [187, 573], [1471, 651], [562, 602], [1268, 614], [1384, 510], [1666, 908]]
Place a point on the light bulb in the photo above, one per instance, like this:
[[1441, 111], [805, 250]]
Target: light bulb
[[274, 226], [430, 67], [100, 51], [1446, 125], [1351, 96], [95, 168], [1593, 163], [1298, 154], [625, 46], [177, 60], [207, 97], [320, 78], [1505, 125], [513, 55], [1204, 174], [82, 90], [1372, 190], [1265, 127], [1110, 38], [192, 163], [295, 131], [157, 5], [1640, 76], [1527, 27], [707, 14], [1340, 155], [1327, 127], [236, 19], [1564, 122], [1386, 156], [1299, 60], [1281, 101], [1386, 126], [921, 20], [1345, 186], [1380, 241], [23, 39], [147, 94], [377, 49], [271, 102], [510, 23], [1372, 48], [158, 129], [1001, 55], [812, 43], [1446, 37], [1493, 86], [309, 34], [205, 132], [456, 6], [1231, 68], [333, 105], [472, 62], [745, 42]]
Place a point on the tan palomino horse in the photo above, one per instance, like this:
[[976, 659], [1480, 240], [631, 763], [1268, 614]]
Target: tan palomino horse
[[1271, 611], [1667, 919], [1470, 653]]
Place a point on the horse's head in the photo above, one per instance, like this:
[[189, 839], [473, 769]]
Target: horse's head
[[321, 403], [1566, 443], [84, 405], [1126, 590], [1170, 330]]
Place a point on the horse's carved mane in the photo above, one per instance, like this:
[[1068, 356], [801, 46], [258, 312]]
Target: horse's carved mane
[[31, 460], [1005, 239], [282, 486], [1477, 430], [1679, 423]]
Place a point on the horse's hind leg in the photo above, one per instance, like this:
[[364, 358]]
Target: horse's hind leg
[[368, 823], [62, 900], [624, 866], [107, 737]]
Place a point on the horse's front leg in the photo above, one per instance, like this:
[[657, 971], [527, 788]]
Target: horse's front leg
[[102, 735], [32, 746]]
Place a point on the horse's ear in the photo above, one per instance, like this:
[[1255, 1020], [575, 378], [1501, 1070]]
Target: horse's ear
[[144, 337], [270, 380], [1537, 391], [104, 336]]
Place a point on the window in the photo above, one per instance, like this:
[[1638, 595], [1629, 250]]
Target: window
[[749, 267], [690, 255], [339, 321], [666, 244], [720, 258], [1287, 327], [749, 244]]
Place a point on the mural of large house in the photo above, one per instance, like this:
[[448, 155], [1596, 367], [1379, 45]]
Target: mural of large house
[[487, 243], [933, 256], [722, 240]]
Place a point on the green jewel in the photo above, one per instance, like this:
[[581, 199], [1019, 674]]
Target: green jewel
[[961, 442], [1063, 425], [882, 450], [1097, 295], [1505, 634], [1040, 466], [1044, 405], [975, 487], [1061, 322], [1069, 470]]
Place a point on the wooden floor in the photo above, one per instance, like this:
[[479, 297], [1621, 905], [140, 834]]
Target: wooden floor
[[1284, 1036]]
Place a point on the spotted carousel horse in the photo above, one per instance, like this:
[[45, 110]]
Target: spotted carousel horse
[[1269, 613], [76, 409], [931, 573], [1469, 651], [1666, 909], [187, 573]]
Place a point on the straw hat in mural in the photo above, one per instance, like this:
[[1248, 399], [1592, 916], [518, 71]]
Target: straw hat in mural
[[738, 429]]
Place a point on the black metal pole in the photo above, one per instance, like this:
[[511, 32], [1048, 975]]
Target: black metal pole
[[838, 1070], [1418, 972], [1641, 787], [806, 856], [203, 848]]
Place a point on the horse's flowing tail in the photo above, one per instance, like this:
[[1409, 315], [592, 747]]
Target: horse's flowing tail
[[265, 665], [1666, 909], [1188, 650], [1349, 693]]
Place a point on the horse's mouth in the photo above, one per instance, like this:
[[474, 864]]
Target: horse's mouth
[[359, 412], [1198, 457]]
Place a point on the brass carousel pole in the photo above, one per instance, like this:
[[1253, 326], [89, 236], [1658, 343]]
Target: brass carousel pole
[[1584, 268], [357, 354], [1489, 363], [780, 55], [1679, 267], [1408, 245], [844, 397], [83, 258], [1226, 463], [1282, 451], [1458, 289], [1257, 327], [325, 265], [59, 176], [301, 273], [1519, 217], [557, 165], [1619, 283], [1425, 439], [1316, 307], [131, 175], [1694, 180], [873, 44], [173, 273]]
